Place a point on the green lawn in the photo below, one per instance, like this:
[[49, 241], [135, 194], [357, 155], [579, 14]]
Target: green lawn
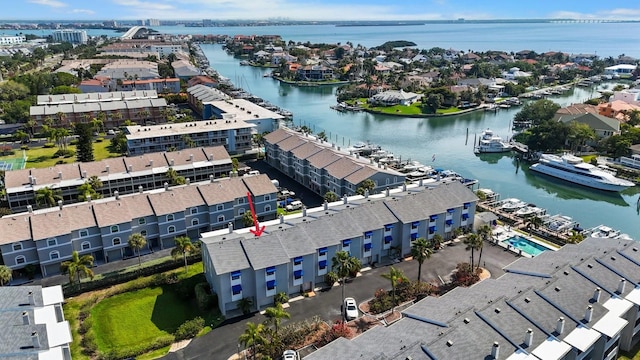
[[139, 317], [448, 110], [40, 157], [413, 109]]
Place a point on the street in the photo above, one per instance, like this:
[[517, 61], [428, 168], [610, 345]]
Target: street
[[222, 342]]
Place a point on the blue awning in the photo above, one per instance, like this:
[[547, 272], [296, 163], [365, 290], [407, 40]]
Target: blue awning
[[367, 246], [322, 264], [297, 259], [449, 222], [433, 228], [236, 288], [450, 211], [466, 205], [346, 242], [465, 216], [388, 226], [388, 239], [236, 273], [271, 269], [368, 233], [415, 223], [322, 251], [433, 217], [271, 284], [298, 273], [414, 236]]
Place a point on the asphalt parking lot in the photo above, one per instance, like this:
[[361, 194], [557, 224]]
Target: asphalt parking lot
[[222, 342]]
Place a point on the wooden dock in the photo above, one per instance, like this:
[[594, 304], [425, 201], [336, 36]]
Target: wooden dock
[[519, 147]]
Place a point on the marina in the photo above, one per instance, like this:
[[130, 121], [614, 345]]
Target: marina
[[442, 142]]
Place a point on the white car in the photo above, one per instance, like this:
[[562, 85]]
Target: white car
[[350, 308], [111, 132], [290, 355]]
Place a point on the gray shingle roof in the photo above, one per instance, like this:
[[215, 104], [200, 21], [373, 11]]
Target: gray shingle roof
[[259, 185], [265, 251], [227, 255]]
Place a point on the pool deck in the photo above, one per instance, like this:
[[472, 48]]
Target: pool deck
[[501, 233]]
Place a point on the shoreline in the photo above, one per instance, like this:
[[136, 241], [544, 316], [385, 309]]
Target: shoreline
[[309, 83], [423, 116]]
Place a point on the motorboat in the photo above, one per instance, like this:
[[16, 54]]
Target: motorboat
[[602, 231], [559, 223], [491, 143], [529, 210], [511, 204], [363, 148], [573, 169]]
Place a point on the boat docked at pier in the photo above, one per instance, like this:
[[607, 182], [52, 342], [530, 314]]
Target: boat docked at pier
[[602, 231], [573, 169], [491, 143], [511, 204]]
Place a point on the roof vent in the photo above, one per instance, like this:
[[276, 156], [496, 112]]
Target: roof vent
[[449, 343], [466, 320], [495, 350], [590, 266], [558, 288], [527, 300], [566, 272], [498, 310]]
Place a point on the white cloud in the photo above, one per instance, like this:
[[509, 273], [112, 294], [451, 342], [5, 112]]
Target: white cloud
[[51, 3], [145, 6], [613, 14], [83, 11]]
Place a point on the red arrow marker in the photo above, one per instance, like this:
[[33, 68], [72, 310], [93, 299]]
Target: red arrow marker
[[258, 231]]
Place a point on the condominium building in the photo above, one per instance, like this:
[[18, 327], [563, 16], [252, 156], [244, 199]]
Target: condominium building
[[153, 22], [130, 70], [45, 238], [122, 175], [12, 39], [143, 107], [165, 85], [580, 302], [70, 35], [294, 253], [230, 123], [322, 166], [33, 322]]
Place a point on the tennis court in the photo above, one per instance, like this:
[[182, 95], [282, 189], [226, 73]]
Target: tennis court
[[12, 164]]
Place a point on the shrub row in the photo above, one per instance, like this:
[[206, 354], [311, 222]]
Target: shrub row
[[204, 297], [189, 329]]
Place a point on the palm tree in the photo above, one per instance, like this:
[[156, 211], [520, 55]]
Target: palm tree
[[137, 241], [396, 277], [575, 237], [420, 251], [343, 264], [77, 265], [472, 241], [252, 336], [183, 246], [275, 314], [436, 241], [5, 274], [484, 232], [47, 196], [533, 222]]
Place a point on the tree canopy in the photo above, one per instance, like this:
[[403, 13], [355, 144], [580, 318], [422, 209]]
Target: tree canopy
[[537, 112]]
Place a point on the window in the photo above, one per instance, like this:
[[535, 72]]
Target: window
[[52, 242], [450, 211], [414, 236], [221, 218], [170, 217], [220, 207], [267, 197], [84, 233], [142, 221], [414, 225], [271, 284], [194, 210], [322, 251], [236, 289], [195, 222], [368, 234], [116, 241], [241, 212], [388, 228], [17, 247], [85, 245], [267, 208], [466, 205], [20, 259], [322, 264], [241, 200], [465, 216], [432, 229], [270, 271], [54, 255], [368, 246], [115, 229], [297, 261], [236, 275], [388, 239], [449, 222], [433, 218], [171, 229], [298, 274]]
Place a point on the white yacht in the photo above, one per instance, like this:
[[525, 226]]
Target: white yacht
[[573, 169], [491, 143], [529, 210], [602, 231], [511, 204]]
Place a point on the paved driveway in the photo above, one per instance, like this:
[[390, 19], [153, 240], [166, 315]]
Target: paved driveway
[[222, 342]]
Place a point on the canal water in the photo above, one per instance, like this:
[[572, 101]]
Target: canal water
[[442, 142]]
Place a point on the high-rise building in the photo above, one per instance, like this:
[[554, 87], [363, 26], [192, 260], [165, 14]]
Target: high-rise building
[[207, 23], [142, 22], [154, 22], [110, 23], [70, 35]]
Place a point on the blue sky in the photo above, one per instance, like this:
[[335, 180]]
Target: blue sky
[[319, 9]]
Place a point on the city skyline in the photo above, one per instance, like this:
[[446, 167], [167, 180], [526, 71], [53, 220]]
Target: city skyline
[[321, 11]]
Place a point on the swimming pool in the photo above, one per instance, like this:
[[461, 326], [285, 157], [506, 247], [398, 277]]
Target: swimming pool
[[521, 243]]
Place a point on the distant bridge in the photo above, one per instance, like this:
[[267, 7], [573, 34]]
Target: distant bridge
[[131, 33]]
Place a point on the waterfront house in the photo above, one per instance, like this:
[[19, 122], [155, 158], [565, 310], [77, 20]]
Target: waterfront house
[[315, 73], [621, 70], [395, 97], [294, 253], [601, 125]]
